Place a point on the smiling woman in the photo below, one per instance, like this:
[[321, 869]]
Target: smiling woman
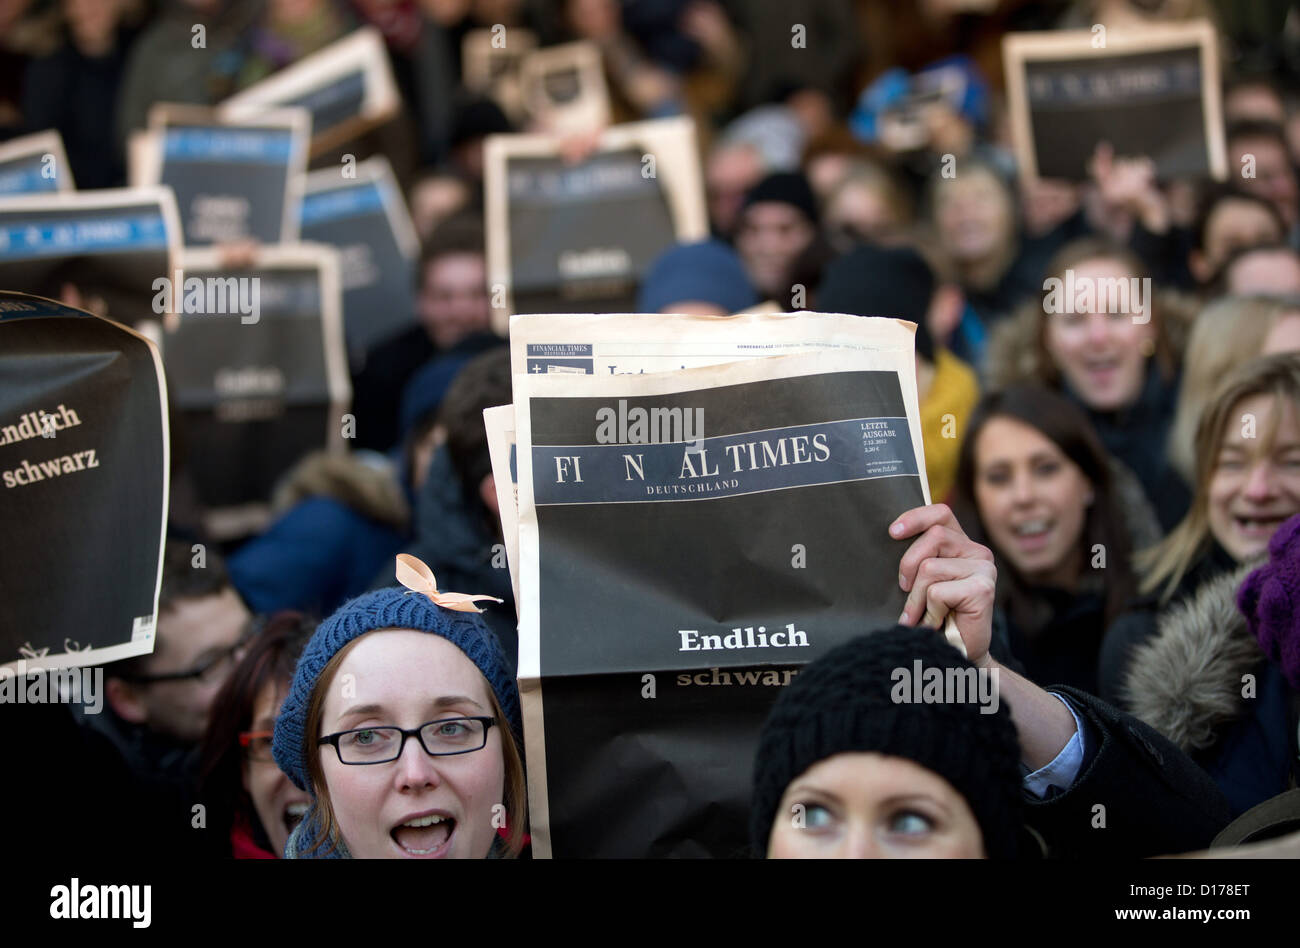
[[1247, 484], [407, 741], [1035, 484], [240, 784]]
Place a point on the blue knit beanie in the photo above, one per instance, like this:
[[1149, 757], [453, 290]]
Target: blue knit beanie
[[704, 272], [392, 608]]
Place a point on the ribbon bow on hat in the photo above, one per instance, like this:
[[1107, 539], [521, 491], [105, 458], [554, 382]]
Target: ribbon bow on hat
[[417, 577]]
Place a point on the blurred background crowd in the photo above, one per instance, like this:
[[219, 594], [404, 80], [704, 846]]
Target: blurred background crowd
[[1105, 460]]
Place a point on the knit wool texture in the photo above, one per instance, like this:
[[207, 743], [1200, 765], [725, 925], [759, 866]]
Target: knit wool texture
[[842, 704], [391, 608], [881, 281], [708, 271], [1270, 601], [785, 187]]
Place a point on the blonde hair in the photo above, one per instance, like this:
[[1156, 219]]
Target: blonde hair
[[1226, 334], [515, 791], [1164, 566]]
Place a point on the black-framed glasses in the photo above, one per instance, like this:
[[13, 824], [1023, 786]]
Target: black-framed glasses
[[209, 671], [441, 738]]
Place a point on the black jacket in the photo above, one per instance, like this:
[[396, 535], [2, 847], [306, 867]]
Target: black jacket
[[1137, 794], [1065, 651], [454, 540]]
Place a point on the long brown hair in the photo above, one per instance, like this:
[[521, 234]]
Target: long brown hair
[[270, 660], [1065, 425], [515, 792], [1164, 565]]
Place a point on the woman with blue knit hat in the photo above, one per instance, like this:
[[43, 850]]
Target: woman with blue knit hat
[[407, 741]]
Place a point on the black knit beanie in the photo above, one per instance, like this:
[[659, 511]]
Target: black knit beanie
[[881, 281], [843, 703], [785, 187]]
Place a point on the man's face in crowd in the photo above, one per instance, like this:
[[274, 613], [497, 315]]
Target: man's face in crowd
[[729, 175], [1232, 226], [454, 299], [1272, 272], [873, 806], [770, 237], [191, 634], [1255, 484], [1274, 178]]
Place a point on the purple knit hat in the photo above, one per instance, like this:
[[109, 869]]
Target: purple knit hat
[[1270, 601]]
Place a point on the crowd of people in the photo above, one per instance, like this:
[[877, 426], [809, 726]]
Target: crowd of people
[[1116, 520]]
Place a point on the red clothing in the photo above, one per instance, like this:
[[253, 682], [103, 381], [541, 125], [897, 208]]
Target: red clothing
[[242, 845]]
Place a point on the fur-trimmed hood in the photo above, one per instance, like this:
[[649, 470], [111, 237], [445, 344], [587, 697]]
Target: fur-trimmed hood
[[365, 482], [1186, 680]]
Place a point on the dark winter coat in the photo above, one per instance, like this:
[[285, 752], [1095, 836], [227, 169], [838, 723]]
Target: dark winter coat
[[1204, 683], [1139, 623], [1137, 794], [455, 540], [345, 520]]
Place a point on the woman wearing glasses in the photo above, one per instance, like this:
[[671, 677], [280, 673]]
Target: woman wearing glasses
[[240, 783], [408, 742]]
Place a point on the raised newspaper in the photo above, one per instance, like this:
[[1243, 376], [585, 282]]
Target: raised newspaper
[[703, 509], [84, 462]]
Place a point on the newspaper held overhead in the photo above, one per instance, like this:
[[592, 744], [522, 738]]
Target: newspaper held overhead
[[234, 178], [365, 217], [104, 248], [1153, 91], [35, 164], [84, 460], [688, 539], [260, 381], [499, 424], [348, 87], [558, 234]]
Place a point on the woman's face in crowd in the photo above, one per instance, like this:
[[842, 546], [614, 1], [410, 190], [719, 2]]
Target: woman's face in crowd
[[974, 216], [1032, 500], [1102, 355], [278, 803], [1284, 336], [860, 210], [417, 806], [1255, 484], [873, 806]]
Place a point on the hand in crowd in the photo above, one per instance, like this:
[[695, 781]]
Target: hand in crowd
[[945, 571], [1127, 186]]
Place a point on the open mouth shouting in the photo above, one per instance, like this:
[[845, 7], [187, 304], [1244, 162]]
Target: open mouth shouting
[[293, 814], [1032, 535], [1258, 527], [425, 835]]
